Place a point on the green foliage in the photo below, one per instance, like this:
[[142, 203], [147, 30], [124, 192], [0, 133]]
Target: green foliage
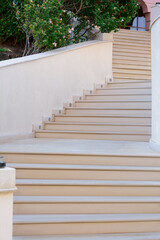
[[46, 25], [107, 15], [3, 49], [8, 23]]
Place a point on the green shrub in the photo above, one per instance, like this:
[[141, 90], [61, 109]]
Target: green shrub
[[46, 25], [9, 29]]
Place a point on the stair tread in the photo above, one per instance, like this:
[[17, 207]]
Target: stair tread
[[81, 167], [85, 199], [68, 218], [93, 132], [121, 88], [128, 236], [102, 116], [97, 124], [49, 182]]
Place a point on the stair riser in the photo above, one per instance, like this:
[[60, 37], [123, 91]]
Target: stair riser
[[137, 97], [91, 128], [132, 71], [136, 55], [133, 46], [132, 39], [109, 137], [129, 75], [82, 159], [136, 68], [129, 84], [131, 50], [85, 228], [132, 58], [132, 62], [88, 175], [113, 112], [85, 208], [131, 42], [134, 105], [76, 190], [122, 91]]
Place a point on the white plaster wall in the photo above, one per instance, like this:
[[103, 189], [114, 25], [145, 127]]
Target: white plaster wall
[[30, 87], [155, 42]]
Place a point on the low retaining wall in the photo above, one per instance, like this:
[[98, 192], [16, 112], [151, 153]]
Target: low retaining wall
[[30, 87]]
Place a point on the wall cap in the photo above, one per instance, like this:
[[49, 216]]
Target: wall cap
[[154, 145], [7, 179], [155, 14], [73, 47]]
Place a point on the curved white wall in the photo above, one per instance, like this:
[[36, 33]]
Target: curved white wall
[[155, 42], [30, 87]]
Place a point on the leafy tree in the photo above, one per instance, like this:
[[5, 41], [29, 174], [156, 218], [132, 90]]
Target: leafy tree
[[49, 24], [107, 15], [46, 25], [9, 29]]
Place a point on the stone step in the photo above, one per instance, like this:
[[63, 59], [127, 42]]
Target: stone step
[[120, 97], [132, 61], [132, 45], [114, 104], [129, 236], [134, 67], [71, 126], [122, 90], [110, 136], [132, 75], [132, 58], [48, 224], [87, 172], [84, 111], [85, 205], [129, 84], [103, 119], [126, 49]]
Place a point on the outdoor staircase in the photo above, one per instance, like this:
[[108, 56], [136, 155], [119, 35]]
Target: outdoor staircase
[[71, 187]]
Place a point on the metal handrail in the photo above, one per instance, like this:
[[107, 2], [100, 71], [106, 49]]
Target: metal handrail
[[2, 164]]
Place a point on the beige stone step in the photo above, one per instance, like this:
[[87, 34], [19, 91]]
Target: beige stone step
[[132, 62], [130, 84], [133, 71], [135, 67], [94, 135], [84, 223], [136, 236], [136, 55], [132, 58], [131, 45], [123, 90], [103, 119], [87, 172], [114, 104], [132, 75], [129, 78], [84, 111], [130, 38], [85, 205], [99, 127], [119, 97], [46, 187], [131, 41], [110, 159], [144, 51]]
